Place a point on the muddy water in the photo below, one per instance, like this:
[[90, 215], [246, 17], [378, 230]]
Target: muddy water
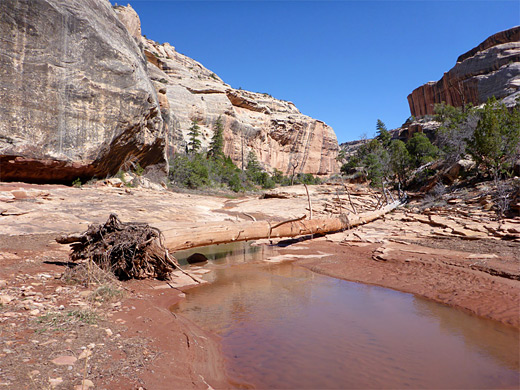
[[283, 326]]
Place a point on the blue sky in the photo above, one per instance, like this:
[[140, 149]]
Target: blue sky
[[347, 63]]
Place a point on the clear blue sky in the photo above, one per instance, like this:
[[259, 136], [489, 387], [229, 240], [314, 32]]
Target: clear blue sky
[[347, 63]]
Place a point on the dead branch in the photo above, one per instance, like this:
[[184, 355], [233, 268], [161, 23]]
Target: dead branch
[[350, 200], [308, 200]]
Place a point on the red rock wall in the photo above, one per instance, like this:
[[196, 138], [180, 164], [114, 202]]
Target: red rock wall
[[495, 59]]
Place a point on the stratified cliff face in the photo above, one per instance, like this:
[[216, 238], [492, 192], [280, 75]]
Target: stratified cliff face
[[490, 69], [76, 97], [275, 130]]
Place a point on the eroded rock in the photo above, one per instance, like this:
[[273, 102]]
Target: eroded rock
[[490, 69], [79, 101]]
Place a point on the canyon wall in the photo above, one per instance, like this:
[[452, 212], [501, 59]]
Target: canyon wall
[[84, 94], [275, 130], [490, 69], [76, 98]]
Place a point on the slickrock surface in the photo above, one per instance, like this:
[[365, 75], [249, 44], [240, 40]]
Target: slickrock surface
[[490, 69], [76, 100], [275, 130]]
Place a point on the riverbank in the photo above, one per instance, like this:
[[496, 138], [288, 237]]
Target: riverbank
[[61, 334]]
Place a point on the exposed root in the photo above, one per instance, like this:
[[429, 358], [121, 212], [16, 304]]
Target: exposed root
[[128, 250]]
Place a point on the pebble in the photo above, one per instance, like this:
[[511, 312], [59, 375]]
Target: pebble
[[5, 299], [85, 354], [55, 381], [64, 360], [34, 312], [85, 384], [109, 332]]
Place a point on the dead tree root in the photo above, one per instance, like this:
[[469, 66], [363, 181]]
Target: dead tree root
[[128, 250]]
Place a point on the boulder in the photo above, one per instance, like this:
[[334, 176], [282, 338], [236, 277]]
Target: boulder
[[457, 169], [77, 98]]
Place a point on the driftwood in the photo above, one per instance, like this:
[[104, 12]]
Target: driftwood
[[129, 250], [245, 231]]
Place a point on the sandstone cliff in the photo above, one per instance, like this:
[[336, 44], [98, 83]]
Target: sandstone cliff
[[490, 69], [274, 129], [85, 94], [76, 97]]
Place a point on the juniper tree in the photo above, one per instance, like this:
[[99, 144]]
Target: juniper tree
[[496, 140]]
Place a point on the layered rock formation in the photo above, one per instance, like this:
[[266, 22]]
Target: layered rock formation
[[281, 137], [76, 97], [85, 94], [490, 69]]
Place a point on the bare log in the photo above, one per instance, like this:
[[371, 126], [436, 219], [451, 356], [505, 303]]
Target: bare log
[[245, 231]]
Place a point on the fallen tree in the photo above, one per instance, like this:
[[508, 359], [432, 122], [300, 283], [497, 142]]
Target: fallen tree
[[255, 230]]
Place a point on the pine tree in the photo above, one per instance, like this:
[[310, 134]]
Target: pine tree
[[194, 143], [382, 133], [216, 147], [253, 168]]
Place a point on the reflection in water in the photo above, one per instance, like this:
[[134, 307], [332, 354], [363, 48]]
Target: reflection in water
[[476, 334], [283, 326]]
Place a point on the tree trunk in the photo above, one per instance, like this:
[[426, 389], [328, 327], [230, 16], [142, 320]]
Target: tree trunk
[[245, 231]]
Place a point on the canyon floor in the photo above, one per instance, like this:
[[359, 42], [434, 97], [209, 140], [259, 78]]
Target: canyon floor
[[57, 333]]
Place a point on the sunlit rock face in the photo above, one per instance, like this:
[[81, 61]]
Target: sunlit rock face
[[280, 136], [76, 97], [490, 69]]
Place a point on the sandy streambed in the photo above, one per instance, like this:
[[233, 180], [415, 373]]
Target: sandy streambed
[[470, 263]]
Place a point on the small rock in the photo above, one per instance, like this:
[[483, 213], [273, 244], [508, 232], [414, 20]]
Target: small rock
[[64, 360], [5, 299], [114, 182], [34, 312], [55, 381], [3, 283], [85, 354], [85, 293], [85, 384], [34, 373], [109, 332]]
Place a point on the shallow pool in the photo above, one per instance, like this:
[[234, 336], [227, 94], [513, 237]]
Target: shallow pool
[[283, 326]]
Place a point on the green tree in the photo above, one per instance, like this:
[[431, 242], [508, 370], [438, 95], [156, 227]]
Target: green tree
[[216, 147], [194, 143], [256, 174], [496, 140], [421, 150], [253, 166], [399, 160], [457, 126], [375, 161], [382, 133]]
